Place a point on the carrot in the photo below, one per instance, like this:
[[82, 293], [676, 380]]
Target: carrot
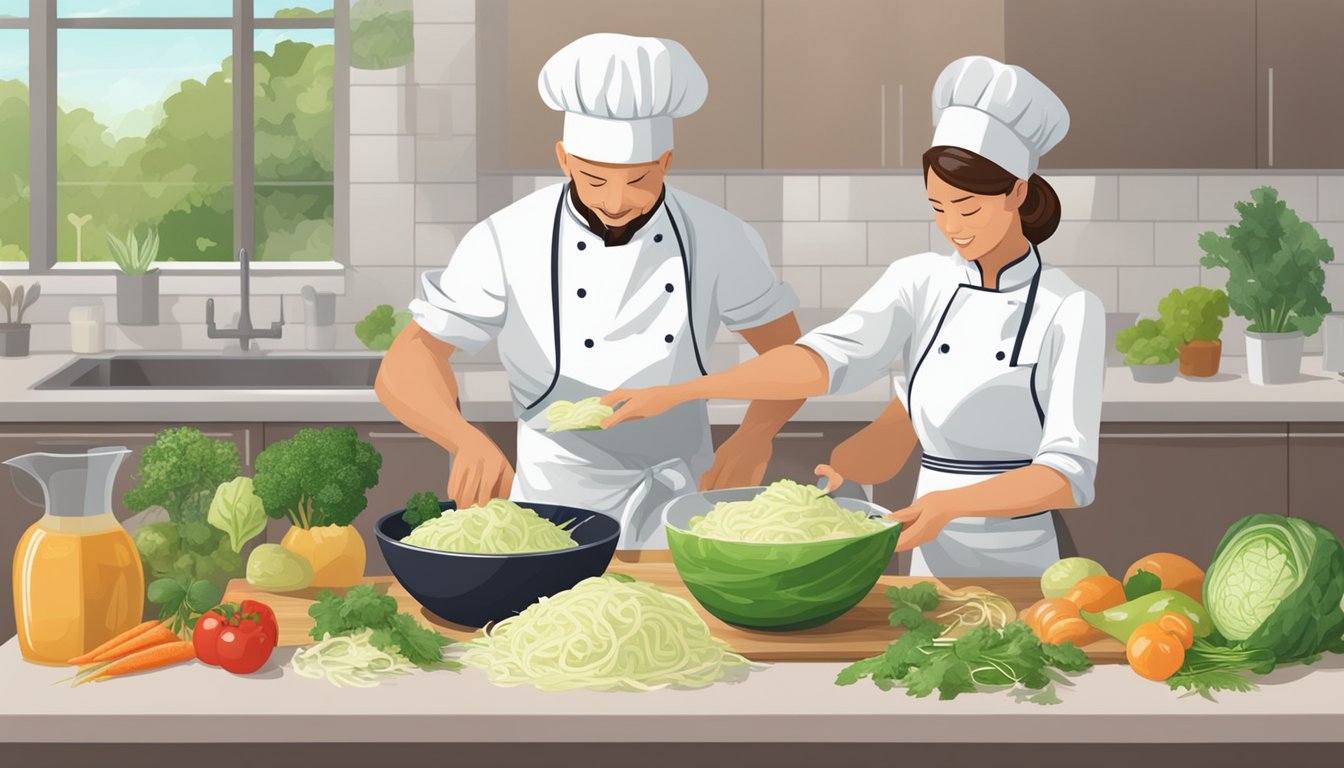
[[155, 636], [138, 629], [149, 658]]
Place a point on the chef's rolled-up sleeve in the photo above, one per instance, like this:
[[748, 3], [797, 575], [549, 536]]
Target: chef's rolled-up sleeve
[[860, 346], [749, 293], [465, 303], [1076, 366]]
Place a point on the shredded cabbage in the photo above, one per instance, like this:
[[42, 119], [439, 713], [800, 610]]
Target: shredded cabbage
[[349, 660], [604, 634], [499, 527], [784, 513], [585, 414]]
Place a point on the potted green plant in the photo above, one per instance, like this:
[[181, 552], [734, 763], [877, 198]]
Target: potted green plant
[[1274, 279], [15, 335], [1149, 352], [137, 280], [1193, 319]]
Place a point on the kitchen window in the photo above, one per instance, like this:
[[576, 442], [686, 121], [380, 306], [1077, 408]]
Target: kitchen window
[[139, 125]]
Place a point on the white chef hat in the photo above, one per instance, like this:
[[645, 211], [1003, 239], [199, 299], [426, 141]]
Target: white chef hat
[[620, 93], [1000, 112]]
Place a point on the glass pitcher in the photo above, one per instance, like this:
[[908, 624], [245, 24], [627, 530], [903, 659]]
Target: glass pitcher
[[78, 581]]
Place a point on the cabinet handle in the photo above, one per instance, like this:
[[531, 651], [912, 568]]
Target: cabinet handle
[[882, 121], [396, 436], [1317, 435], [800, 435], [1271, 117], [900, 124], [91, 435], [1187, 435]]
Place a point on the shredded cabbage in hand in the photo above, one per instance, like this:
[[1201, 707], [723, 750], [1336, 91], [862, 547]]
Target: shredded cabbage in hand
[[349, 660], [585, 414], [784, 513], [500, 527], [604, 634]]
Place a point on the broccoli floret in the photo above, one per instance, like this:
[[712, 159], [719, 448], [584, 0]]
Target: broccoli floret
[[180, 472], [318, 477], [421, 507], [380, 327], [159, 545]]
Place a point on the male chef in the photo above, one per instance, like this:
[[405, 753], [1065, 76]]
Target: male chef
[[610, 279]]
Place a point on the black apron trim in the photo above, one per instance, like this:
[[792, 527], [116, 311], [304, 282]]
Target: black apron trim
[[1026, 314], [1035, 396], [555, 292], [1033, 514], [686, 270], [934, 462]]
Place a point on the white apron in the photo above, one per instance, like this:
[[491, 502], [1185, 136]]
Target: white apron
[[621, 319], [972, 398]]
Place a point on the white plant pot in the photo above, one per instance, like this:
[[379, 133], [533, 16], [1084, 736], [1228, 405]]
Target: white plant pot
[[1274, 358], [1155, 374]]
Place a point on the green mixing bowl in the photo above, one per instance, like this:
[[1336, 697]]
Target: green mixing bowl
[[777, 587]]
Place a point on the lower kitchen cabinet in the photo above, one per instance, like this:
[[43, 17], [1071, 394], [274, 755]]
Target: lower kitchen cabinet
[[1315, 464], [1177, 487], [21, 500]]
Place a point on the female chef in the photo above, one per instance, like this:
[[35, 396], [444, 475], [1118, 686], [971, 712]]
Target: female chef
[[611, 279], [1003, 355]]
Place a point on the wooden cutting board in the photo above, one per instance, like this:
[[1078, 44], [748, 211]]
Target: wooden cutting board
[[863, 631]]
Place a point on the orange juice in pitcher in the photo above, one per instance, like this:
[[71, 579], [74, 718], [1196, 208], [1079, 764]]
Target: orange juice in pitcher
[[77, 575]]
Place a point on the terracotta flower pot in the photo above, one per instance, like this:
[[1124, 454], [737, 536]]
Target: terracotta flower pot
[[1200, 358]]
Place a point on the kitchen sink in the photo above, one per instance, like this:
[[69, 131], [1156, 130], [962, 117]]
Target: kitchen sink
[[215, 372]]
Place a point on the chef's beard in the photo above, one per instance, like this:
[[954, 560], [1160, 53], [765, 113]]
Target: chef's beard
[[618, 235]]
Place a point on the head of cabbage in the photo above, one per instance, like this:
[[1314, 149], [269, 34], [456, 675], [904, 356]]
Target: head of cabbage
[[1276, 583]]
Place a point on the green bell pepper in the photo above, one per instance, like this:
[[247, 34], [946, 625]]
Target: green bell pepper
[[1121, 621]]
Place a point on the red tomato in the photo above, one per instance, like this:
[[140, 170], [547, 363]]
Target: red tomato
[[238, 638], [205, 637], [265, 616]]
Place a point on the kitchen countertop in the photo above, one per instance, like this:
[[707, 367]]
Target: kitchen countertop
[[788, 702], [1318, 395]]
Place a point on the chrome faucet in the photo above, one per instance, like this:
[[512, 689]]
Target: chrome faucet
[[244, 333]]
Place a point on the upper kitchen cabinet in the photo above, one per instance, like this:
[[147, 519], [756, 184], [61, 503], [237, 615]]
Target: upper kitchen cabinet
[[516, 37], [1156, 83], [1301, 68], [848, 83]]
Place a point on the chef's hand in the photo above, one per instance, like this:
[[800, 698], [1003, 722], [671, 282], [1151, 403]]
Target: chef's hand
[[833, 478], [639, 404], [480, 471], [922, 521], [739, 463]]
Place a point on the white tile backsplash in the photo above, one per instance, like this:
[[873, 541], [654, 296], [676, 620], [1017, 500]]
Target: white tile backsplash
[[874, 198], [445, 111], [1086, 198], [445, 203], [756, 198], [1177, 243], [706, 187], [444, 11], [825, 243], [382, 158], [445, 159], [806, 282], [1331, 198], [891, 240], [1102, 281], [382, 224], [367, 287], [1100, 243], [1159, 198], [435, 243], [1141, 287], [445, 54], [379, 109], [802, 201], [1217, 194]]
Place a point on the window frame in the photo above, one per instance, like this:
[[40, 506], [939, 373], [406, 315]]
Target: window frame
[[42, 25]]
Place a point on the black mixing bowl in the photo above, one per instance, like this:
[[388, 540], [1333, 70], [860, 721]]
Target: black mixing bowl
[[474, 590]]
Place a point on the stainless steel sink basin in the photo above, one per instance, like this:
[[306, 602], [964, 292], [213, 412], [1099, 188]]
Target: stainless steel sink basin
[[215, 372]]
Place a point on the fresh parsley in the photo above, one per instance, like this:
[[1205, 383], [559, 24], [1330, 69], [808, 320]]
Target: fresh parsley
[[922, 661], [364, 608]]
